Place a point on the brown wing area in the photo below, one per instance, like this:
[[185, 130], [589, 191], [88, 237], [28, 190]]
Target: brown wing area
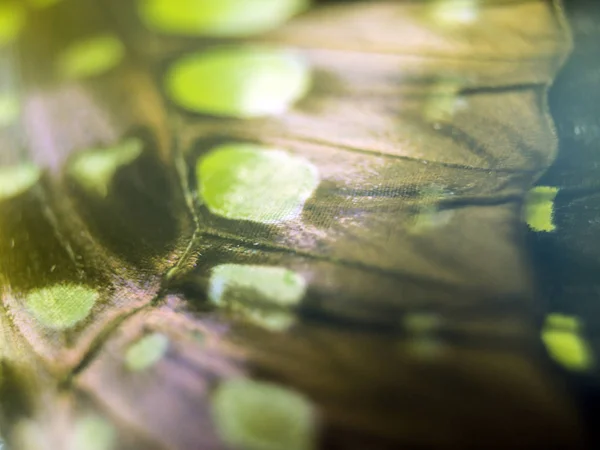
[[417, 324]]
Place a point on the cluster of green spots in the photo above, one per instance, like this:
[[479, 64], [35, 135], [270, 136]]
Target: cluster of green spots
[[263, 416], [238, 82], [221, 18], [454, 12], [12, 19], [261, 294], [93, 169], [91, 57], [146, 352], [61, 306], [15, 180], [565, 344], [248, 182], [10, 108], [539, 208], [92, 433]]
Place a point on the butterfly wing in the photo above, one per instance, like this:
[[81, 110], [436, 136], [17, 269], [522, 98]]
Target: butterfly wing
[[235, 236]]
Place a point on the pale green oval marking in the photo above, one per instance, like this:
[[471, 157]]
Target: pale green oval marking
[[223, 18], [263, 416], [146, 352], [93, 433], [10, 107], [90, 57], [260, 294], [248, 182], [12, 19], [565, 344], [94, 169], [238, 82], [61, 306], [539, 208], [15, 180], [454, 12]]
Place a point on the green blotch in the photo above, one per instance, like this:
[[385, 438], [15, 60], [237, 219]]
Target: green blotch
[[146, 352], [94, 169], [238, 82], [221, 18], [454, 12], [10, 107], [90, 57], [263, 416], [12, 19], [539, 208], [260, 294], [93, 433], [565, 344], [61, 306], [248, 182], [15, 180]]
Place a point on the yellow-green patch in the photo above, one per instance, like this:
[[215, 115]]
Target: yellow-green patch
[[442, 102], [92, 433], [565, 344], [15, 180], [12, 19], [90, 57], [248, 182], [217, 18], [263, 416], [61, 306], [454, 12], [238, 82], [10, 108], [260, 294], [146, 352], [94, 169], [539, 208]]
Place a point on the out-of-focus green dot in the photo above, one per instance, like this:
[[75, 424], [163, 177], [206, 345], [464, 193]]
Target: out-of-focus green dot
[[254, 415], [248, 182], [12, 19], [61, 306], [260, 294], [539, 208], [15, 180], [453, 12], [93, 433], [238, 82], [565, 344], [90, 57], [9, 109], [93, 169], [220, 18], [146, 352]]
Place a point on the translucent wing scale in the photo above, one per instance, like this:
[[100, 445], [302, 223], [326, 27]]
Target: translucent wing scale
[[304, 236]]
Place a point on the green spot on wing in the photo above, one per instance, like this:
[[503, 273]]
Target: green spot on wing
[[238, 82], [246, 182], [9, 109], [260, 294], [565, 343], [61, 306], [539, 208], [93, 433], [94, 169], [12, 19], [146, 352], [217, 18], [90, 57], [263, 416], [15, 180]]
